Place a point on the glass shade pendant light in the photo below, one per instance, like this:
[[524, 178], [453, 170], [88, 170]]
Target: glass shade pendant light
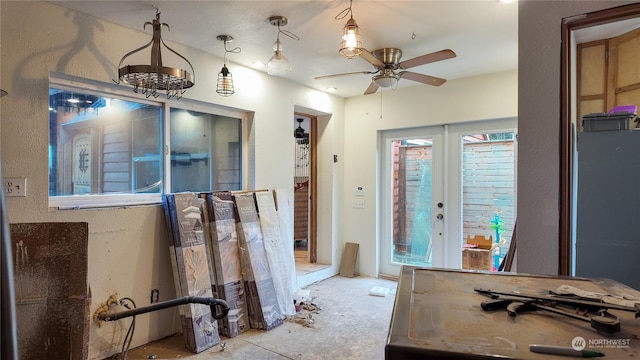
[[279, 65], [351, 41], [224, 85]]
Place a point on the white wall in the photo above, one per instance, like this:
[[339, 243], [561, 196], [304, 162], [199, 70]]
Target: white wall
[[539, 38], [128, 247], [478, 98]]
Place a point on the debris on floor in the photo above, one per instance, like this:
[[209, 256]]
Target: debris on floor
[[303, 318], [379, 291], [304, 313]]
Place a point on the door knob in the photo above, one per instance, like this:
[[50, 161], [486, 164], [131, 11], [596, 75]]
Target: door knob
[[439, 216]]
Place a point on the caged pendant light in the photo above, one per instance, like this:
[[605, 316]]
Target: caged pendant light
[[225, 79], [152, 78], [279, 65], [351, 41]]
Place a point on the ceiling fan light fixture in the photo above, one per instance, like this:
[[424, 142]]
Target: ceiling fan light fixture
[[351, 41], [388, 79]]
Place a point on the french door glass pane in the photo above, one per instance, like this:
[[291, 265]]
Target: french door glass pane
[[412, 185], [488, 188]]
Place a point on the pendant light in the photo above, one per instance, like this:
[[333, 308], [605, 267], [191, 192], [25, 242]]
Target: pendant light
[[149, 79], [279, 65], [225, 79], [351, 41]]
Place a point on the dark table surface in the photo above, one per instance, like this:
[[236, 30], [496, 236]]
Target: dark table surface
[[437, 313]]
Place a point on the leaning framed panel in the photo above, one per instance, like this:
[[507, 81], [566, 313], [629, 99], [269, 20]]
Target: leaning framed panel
[[438, 314]]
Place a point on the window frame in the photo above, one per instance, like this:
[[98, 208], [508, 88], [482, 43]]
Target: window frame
[[72, 83]]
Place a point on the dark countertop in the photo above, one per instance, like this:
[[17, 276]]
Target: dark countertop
[[437, 313]]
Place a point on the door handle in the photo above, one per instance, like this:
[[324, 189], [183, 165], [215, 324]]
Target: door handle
[[439, 216]]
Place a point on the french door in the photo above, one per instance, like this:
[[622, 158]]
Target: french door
[[441, 184]]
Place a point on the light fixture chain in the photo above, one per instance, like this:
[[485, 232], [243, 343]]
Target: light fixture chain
[[288, 33], [346, 12]]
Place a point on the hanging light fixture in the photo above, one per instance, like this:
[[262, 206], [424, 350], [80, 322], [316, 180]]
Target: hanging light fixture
[[225, 79], [279, 65], [351, 41], [149, 79], [387, 79]]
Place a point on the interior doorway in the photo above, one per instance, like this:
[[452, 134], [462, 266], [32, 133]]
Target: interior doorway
[[304, 192]]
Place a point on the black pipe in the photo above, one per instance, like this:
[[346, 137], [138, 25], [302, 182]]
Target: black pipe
[[219, 308]]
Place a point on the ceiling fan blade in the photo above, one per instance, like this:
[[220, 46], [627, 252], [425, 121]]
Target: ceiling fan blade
[[373, 87], [425, 79], [367, 55], [344, 74], [427, 58]]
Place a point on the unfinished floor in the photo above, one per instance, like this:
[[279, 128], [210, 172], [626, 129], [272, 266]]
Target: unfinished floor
[[350, 324]]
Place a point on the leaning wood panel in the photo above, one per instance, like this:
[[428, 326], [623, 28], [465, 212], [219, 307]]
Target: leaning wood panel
[[262, 304], [349, 257], [301, 213], [279, 252], [200, 329], [225, 251]]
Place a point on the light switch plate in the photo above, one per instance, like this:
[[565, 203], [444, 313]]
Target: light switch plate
[[15, 187]]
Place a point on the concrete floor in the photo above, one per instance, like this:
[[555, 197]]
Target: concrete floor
[[350, 324]]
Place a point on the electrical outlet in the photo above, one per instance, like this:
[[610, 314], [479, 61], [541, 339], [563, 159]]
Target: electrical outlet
[[15, 187]]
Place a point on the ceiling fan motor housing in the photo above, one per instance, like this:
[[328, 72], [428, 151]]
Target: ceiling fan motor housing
[[389, 56]]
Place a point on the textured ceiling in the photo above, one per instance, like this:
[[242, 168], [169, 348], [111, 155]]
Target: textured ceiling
[[483, 33]]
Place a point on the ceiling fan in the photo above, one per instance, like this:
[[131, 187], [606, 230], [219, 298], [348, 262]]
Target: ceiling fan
[[390, 69]]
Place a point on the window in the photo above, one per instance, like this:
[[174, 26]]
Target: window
[[106, 148], [201, 142]]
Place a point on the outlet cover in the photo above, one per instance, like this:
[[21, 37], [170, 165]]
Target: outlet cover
[[15, 187], [357, 204]]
